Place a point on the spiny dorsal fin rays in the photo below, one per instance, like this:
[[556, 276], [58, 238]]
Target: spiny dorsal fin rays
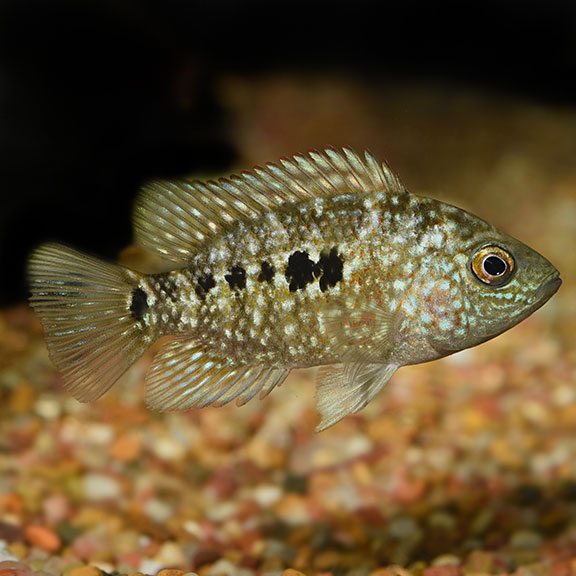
[[336, 170], [288, 177], [175, 218]]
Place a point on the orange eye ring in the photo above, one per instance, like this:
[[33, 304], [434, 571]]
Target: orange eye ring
[[492, 265]]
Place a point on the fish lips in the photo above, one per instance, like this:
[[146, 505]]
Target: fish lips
[[548, 288]]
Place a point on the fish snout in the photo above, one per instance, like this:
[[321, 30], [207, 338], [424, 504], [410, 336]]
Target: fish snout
[[549, 287]]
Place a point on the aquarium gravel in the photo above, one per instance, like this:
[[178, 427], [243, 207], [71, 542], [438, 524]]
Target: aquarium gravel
[[462, 466]]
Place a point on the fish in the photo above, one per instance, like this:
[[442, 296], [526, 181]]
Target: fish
[[321, 259]]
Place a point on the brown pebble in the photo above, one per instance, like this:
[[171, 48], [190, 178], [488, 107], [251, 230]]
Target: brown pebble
[[205, 556], [10, 532], [85, 571], [383, 572], [23, 398], [171, 572], [42, 537], [480, 561], [399, 571], [292, 572]]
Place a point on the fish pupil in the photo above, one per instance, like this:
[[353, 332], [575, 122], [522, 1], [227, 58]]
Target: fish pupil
[[494, 266]]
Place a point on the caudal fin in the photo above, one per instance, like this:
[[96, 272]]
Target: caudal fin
[[91, 312]]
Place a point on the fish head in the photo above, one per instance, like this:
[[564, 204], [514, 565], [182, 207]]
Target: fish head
[[502, 281]]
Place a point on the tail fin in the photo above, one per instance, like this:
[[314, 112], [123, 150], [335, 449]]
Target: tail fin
[[92, 316]]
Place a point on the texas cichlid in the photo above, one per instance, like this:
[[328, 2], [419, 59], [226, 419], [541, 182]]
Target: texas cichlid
[[321, 260]]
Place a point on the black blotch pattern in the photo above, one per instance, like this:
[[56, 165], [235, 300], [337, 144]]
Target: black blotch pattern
[[139, 305], [266, 272], [300, 271], [236, 278], [332, 266], [204, 284]]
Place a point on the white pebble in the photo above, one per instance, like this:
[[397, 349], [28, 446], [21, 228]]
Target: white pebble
[[168, 449], [158, 510], [564, 395], [267, 494], [99, 434], [150, 566], [5, 556], [101, 487], [171, 554], [222, 511], [193, 528], [48, 407], [224, 567]]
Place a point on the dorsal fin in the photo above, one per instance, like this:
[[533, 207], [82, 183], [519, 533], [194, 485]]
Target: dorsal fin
[[175, 218]]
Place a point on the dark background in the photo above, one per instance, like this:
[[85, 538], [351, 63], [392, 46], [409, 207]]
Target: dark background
[[97, 96]]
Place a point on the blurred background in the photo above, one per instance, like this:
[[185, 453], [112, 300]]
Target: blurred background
[[98, 96], [463, 466]]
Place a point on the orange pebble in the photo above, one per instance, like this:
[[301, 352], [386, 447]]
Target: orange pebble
[[42, 537], [171, 572], [127, 447], [292, 572], [11, 502]]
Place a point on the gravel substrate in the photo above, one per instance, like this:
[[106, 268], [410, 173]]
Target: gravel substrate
[[462, 466]]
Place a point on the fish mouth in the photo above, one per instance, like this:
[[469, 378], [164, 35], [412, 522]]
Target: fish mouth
[[548, 288]]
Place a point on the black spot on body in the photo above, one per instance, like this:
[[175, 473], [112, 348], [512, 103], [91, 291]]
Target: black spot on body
[[332, 267], [300, 271], [139, 305], [236, 278], [205, 283], [266, 273]]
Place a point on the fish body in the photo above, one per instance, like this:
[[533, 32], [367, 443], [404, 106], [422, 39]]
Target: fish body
[[322, 260]]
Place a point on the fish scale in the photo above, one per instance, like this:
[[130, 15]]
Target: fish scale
[[321, 260]]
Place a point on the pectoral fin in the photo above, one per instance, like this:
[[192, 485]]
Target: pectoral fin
[[344, 389], [359, 332]]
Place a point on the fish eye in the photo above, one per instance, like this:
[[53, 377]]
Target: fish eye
[[492, 265]]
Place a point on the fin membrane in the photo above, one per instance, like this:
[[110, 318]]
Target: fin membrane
[[175, 218], [184, 376], [84, 306], [344, 389]]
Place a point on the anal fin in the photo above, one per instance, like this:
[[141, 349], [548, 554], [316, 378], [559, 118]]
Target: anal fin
[[184, 375], [344, 389]]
